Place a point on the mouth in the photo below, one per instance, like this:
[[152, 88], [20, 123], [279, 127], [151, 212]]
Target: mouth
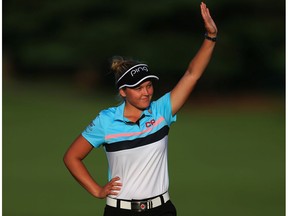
[[146, 99]]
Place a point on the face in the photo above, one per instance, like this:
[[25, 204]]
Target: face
[[139, 96]]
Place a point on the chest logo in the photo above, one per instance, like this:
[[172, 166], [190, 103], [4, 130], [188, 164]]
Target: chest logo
[[150, 123]]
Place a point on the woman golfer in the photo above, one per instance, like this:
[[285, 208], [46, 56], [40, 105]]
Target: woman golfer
[[134, 135]]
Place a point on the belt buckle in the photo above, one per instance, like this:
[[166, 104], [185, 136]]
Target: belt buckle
[[141, 206]]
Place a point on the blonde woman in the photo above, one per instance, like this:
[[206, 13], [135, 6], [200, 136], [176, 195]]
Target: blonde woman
[[135, 136]]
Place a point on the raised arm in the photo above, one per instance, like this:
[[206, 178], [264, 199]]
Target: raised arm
[[198, 64]]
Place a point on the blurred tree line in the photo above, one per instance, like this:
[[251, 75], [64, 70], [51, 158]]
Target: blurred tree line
[[75, 39]]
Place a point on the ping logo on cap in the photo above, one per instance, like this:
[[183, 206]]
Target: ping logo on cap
[[138, 69]]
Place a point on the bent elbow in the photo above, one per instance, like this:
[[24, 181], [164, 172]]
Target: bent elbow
[[66, 159], [70, 158]]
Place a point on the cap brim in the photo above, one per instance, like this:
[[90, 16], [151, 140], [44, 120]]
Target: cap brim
[[139, 81]]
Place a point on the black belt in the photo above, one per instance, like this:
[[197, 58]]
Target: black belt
[[138, 205]]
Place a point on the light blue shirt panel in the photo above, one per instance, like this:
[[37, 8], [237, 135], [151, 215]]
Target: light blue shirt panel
[[163, 105], [107, 123], [95, 131]]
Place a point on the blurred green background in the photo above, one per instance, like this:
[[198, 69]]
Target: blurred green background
[[227, 149]]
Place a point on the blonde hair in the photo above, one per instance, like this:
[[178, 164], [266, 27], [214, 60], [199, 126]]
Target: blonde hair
[[119, 65]]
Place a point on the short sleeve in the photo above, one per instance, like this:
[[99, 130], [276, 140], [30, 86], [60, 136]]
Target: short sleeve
[[164, 106], [94, 132]]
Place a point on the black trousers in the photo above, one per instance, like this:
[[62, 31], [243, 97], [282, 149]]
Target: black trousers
[[167, 209]]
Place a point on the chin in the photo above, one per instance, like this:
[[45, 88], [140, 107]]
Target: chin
[[144, 106]]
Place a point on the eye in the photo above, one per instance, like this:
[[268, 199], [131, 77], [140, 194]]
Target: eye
[[138, 88]]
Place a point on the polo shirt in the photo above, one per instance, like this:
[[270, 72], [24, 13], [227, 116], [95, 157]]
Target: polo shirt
[[136, 152]]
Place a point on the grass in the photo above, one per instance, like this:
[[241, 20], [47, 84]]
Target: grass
[[222, 161]]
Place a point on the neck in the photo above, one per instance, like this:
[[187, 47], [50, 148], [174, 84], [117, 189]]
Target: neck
[[132, 113]]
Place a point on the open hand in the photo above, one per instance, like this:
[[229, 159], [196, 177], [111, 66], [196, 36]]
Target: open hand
[[209, 23]]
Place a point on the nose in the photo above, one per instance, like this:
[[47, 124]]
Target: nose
[[145, 91]]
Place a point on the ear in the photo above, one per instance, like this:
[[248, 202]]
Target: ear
[[122, 93]]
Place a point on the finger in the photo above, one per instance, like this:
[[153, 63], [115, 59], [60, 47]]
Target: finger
[[202, 6], [204, 12], [208, 13], [206, 16], [117, 184], [113, 193], [115, 188], [115, 178]]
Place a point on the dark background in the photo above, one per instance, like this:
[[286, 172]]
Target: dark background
[[73, 41], [227, 148]]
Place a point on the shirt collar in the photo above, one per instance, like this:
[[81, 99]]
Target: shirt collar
[[119, 113]]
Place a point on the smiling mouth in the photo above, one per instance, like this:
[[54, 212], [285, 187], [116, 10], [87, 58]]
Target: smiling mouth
[[145, 99]]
